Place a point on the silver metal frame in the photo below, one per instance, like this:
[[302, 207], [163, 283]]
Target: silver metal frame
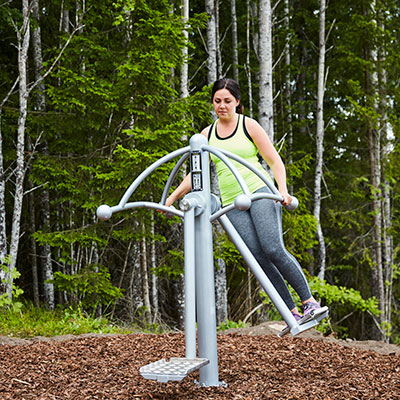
[[199, 210]]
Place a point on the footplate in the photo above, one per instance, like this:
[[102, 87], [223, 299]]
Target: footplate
[[173, 370], [307, 322]]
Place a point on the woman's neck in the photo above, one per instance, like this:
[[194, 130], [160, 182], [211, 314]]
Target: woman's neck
[[226, 126], [228, 120]]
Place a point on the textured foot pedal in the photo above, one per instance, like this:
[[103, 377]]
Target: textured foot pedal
[[173, 370]]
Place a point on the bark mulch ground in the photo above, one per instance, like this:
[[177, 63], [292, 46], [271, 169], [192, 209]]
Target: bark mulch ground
[[254, 367]]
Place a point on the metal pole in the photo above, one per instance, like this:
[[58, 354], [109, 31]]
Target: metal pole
[[190, 284], [205, 295]]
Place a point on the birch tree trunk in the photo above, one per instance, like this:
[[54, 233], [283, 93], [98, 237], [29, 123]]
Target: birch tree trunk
[[211, 42], [23, 45], [248, 66], [154, 277], [185, 65], [265, 103], [288, 89], [235, 53], [320, 140], [374, 147], [135, 288], [40, 100], [220, 273], [32, 230], [3, 226], [387, 240], [217, 37], [145, 277]]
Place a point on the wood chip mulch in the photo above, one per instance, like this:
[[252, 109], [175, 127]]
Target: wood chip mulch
[[253, 367]]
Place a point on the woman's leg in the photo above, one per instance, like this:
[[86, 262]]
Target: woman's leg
[[267, 217], [242, 222]]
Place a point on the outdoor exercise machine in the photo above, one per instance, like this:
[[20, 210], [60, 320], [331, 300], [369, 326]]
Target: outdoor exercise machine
[[199, 209]]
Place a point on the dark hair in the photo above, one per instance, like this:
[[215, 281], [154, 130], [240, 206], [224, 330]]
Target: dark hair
[[233, 88]]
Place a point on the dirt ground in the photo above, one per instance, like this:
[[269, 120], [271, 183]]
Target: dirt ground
[[253, 362]]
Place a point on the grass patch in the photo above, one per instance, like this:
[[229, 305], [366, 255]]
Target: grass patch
[[29, 321]]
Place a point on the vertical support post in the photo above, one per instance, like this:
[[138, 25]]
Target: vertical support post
[[205, 286], [190, 284]]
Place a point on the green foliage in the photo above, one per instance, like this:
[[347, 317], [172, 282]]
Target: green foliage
[[173, 265], [10, 276], [232, 324], [226, 250], [90, 288], [342, 303], [30, 321], [351, 298], [113, 107]]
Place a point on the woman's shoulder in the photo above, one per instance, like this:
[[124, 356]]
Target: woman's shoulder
[[250, 122], [252, 126], [206, 130]]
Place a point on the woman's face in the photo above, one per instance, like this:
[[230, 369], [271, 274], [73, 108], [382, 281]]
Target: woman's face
[[225, 103]]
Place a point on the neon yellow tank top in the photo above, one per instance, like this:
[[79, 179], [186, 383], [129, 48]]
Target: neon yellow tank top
[[240, 143]]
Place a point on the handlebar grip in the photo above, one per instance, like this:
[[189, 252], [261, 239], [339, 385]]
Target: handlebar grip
[[293, 205], [170, 215], [104, 212]]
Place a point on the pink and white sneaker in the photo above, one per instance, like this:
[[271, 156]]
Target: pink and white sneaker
[[313, 309]]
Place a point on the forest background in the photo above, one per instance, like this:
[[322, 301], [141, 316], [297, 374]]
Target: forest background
[[93, 92]]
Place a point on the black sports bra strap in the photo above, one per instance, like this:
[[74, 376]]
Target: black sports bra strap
[[211, 128]]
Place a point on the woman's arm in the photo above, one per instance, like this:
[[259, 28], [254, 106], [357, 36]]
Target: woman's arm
[[270, 155], [184, 188]]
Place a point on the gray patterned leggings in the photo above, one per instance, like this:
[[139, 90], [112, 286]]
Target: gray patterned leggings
[[261, 229]]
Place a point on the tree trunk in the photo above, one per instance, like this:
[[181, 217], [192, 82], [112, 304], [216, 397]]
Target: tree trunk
[[145, 277], [32, 242], [248, 65], [387, 239], [23, 46], [235, 53], [40, 100], [288, 91], [320, 140], [220, 273], [221, 295], [185, 64], [374, 147], [217, 36], [154, 277], [3, 226], [135, 288], [265, 104], [211, 42]]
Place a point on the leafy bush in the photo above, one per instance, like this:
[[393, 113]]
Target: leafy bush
[[342, 302], [5, 299], [90, 288]]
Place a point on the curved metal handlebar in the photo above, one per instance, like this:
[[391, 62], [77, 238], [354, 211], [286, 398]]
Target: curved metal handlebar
[[148, 171], [104, 212], [243, 201]]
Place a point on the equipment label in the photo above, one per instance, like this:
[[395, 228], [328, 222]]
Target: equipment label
[[195, 166]]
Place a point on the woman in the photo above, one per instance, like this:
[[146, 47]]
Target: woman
[[261, 226]]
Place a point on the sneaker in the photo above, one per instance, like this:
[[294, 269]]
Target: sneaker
[[285, 330], [312, 309], [296, 316]]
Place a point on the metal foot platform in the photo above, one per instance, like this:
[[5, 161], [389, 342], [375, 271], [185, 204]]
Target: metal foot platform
[[306, 322], [173, 370]]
